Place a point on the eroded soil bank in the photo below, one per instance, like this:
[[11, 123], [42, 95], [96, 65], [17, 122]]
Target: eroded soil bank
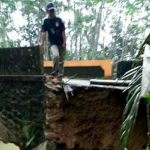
[[90, 120]]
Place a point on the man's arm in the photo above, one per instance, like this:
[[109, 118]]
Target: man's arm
[[43, 36], [43, 32], [64, 39]]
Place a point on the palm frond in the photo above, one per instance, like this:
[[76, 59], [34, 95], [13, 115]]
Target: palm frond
[[131, 108], [133, 100], [128, 123], [130, 102], [131, 91], [128, 75], [130, 71], [134, 79]]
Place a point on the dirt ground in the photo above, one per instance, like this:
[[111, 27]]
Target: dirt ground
[[90, 120]]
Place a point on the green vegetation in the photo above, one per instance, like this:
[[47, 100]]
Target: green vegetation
[[133, 102]]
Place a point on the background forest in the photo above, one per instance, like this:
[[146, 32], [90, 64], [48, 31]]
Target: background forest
[[96, 29]]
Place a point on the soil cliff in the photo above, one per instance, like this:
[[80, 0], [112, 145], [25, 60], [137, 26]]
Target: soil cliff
[[90, 120]]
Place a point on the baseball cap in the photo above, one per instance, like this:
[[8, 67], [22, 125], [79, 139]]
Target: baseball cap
[[50, 6]]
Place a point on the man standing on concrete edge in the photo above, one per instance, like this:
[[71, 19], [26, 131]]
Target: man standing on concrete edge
[[56, 33]]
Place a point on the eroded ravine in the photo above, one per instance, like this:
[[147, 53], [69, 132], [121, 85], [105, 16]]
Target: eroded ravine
[[90, 120]]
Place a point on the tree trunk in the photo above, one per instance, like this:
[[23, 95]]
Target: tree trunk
[[71, 49], [97, 30], [28, 31], [76, 46], [80, 47]]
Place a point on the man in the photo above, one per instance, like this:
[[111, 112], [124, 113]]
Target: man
[[56, 32]]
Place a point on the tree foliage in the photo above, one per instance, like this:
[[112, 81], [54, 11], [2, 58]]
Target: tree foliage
[[96, 29]]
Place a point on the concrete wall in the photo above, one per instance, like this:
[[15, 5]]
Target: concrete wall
[[22, 97]]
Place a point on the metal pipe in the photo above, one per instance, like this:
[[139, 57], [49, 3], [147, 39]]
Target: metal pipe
[[108, 87], [110, 82]]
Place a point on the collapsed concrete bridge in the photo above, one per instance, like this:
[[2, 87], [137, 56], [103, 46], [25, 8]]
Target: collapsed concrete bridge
[[33, 114]]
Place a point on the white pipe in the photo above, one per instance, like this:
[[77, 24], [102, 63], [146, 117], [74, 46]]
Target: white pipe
[[109, 82]]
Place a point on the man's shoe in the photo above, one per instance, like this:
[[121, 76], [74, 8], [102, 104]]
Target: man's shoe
[[54, 73]]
